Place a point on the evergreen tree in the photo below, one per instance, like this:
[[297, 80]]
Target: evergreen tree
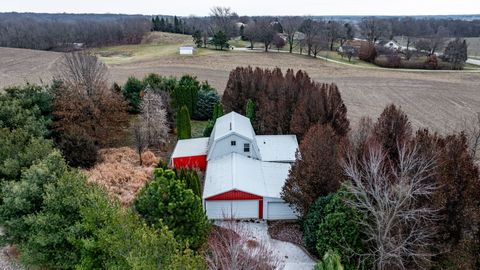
[[186, 93], [162, 25], [250, 110], [217, 112], [184, 129], [197, 38], [456, 53], [156, 24], [176, 25], [220, 40]]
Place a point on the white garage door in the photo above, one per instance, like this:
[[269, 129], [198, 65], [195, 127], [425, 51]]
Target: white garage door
[[280, 210], [236, 209]]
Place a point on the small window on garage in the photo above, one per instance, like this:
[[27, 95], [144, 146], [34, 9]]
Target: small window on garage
[[246, 147], [233, 143]]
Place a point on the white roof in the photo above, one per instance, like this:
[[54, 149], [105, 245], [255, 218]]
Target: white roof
[[232, 123], [191, 147], [280, 148], [237, 172]]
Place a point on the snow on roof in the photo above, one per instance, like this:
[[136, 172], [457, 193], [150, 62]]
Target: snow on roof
[[232, 123], [191, 147], [280, 148], [237, 172]]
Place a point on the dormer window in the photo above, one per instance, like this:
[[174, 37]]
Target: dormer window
[[246, 147], [233, 143]]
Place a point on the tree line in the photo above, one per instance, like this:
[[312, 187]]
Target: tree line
[[61, 32]]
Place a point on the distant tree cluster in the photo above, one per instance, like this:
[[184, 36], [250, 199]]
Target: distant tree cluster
[[172, 25], [69, 32], [285, 104]]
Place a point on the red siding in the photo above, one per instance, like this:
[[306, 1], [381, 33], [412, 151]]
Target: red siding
[[199, 162], [234, 195]]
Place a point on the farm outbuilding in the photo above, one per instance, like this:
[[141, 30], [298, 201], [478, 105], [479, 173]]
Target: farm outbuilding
[[244, 173], [186, 50]]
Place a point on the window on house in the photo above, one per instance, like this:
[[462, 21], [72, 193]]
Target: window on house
[[233, 143], [246, 147]]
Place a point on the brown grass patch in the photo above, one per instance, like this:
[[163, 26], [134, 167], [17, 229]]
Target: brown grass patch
[[120, 172]]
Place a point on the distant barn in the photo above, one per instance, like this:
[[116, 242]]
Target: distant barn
[[186, 50]]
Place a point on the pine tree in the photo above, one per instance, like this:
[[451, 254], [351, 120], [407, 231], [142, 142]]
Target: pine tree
[[176, 25], [162, 25], [156, 24], [250, 110], [217, 112], [184, 129]]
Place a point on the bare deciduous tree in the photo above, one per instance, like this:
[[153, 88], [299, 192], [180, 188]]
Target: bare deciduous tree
[[373, 28], [400, 231], [140, 138], [222, 19], [290, 27], [83, 70], [471, 127], [153, 115], [232, 247]]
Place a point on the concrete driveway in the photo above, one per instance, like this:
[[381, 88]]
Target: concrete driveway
[[293, 256]]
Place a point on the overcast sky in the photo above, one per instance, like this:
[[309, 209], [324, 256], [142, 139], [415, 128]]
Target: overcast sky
[[249, 7]]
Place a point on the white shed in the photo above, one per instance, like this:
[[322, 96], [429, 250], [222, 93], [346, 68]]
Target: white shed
[[186, 50]]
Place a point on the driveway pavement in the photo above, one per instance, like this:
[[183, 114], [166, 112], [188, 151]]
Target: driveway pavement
[[293, 256]]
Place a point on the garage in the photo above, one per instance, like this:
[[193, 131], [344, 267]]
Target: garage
[[239, 209], [280, 210]]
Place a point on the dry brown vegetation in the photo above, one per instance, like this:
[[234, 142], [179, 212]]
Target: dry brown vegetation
[[120, 172]]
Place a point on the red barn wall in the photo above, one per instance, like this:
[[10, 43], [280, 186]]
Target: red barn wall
[[199, 162], [239, 195]]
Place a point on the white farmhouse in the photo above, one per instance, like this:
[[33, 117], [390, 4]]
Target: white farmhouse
[[245, 173], [186, 50]]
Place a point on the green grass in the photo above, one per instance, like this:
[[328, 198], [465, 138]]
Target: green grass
[[197, 128], [137, 53]]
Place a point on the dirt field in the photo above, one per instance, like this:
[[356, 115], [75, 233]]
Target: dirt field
[[436, 100]]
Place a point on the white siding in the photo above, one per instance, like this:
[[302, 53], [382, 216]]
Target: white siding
[[276, 209], [239, 209], [186, 51], [224, 147]]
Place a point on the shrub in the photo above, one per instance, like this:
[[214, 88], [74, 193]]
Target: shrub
[[184, 128], [110, 237], [166, 199], [333, 225], [79, 151], [205, 104], [160, 83], [367, 52], [131, 92], [330, 261], [15, 115]]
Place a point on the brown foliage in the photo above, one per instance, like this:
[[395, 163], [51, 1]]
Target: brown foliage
[[287, 231], [284, 104], [85, 105], [120, 172], [367, 52], [392, 129], [317, 170]]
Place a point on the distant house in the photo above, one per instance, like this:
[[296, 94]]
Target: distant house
[[392, 45], [244, 172], [355, 44], [186, 50]]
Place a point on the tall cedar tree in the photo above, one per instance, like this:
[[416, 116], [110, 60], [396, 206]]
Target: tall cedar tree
[[186, 93], [184, 129], [458, 197], [317, 171], [392, 129], [285, 104]]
